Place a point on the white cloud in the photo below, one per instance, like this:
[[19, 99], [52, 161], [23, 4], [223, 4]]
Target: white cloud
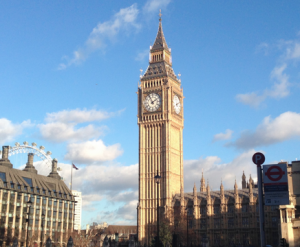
[[77, 116], [223, 136], [152, 6], [215, 171], [9, 130], [142, 55], [63, 125], [61, 132], [284, 127], [280, 89], [90, 152], [105, 32]]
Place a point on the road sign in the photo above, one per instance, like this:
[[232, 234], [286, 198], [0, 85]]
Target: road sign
[[258, 158], [276, 184]]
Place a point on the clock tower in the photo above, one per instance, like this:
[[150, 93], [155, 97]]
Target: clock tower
[[160, 121]]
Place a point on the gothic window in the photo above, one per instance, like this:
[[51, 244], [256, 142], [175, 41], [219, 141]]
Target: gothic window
[[202, 223], [230, 222], [274, 221], [244, 208], [245, 221], [231, 209], [217, 222], [216, 209], [203, 210]]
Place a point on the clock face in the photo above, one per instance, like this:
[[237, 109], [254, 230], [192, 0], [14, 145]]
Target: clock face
[[176, 104], [152, 102]]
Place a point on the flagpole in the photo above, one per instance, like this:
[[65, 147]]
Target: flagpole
[[71, 176]]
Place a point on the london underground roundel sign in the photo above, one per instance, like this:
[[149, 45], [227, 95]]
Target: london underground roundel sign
[[258, 158]]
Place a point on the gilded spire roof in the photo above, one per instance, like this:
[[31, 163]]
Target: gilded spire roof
[[160, 41]]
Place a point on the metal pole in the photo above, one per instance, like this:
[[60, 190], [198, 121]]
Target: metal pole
[[157, 214], [261, 206], [187, 228], [27, 226]]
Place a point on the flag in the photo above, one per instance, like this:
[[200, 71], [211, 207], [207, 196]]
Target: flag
[[75, 167]]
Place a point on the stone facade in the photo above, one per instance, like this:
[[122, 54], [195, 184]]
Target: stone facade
[[51, 213], [160, 136]]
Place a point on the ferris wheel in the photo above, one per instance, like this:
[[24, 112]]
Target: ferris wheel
[[44, 156]]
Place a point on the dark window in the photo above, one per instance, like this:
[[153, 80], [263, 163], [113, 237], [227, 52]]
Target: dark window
[[65, 196], [48, 223], [31, 222], [65, 215], [230, 222], [44, 192], [71, 205], [231, 209], [55, 203], [60, 204], [70, 216], [49, 192], [244, 208], [37, 190], [54, 213], [31, 189], [3, 176], [216, 209], [217, 223], [203, 223], [66, 205], [44, 201], [203, 210], [49, 202], [28, 181], [36, 222], [49, 213], [19, 187], [25, 188], [12, 185], [245, 222], [274, 221], [38, 199], [55, 194], [59, 214], [19, 196], [5, 184]]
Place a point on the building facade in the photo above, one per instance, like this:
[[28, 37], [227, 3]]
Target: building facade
[[160, 121], [46, 202], [78, 209], [214, 218]]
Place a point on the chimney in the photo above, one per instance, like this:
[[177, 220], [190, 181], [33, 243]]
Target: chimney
[[5, 161], [29, 165], [54, 173]]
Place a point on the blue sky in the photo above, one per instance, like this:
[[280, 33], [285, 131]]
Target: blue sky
[[69, 73]]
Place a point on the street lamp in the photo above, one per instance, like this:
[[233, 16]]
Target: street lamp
[[187, 226], [42, 237], [157, 180], [29, 203]]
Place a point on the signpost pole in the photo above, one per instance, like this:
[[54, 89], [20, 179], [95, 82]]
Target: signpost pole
[[259, 159], [261, 207]]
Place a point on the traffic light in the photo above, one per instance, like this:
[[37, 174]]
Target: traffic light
[[283, 242]]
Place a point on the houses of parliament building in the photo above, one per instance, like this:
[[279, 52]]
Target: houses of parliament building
[[215, 218]]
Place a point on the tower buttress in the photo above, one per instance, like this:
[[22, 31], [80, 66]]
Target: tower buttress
[[202, 183], [244, 185]]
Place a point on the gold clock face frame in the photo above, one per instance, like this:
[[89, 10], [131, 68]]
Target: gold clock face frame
[[152, 102], [176, 104]]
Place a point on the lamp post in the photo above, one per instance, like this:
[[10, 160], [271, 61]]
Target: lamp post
[[187, 226], [157, 180], [42, 237], [27, 220]]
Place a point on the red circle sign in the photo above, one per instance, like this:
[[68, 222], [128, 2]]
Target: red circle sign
[[275, 173], [258, 158]]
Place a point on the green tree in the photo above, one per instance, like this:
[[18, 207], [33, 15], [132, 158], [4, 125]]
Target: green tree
[[165, 234]]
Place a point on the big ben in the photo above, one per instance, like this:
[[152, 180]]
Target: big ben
[[160, 121]]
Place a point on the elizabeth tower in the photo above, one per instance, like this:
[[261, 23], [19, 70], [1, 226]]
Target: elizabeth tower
[[160, 121]]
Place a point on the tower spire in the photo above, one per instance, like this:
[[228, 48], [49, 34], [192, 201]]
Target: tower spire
[[160, 41]]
